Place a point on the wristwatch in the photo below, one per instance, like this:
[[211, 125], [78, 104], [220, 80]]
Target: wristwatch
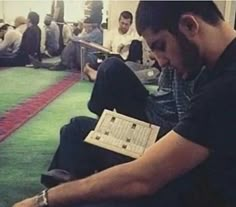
[[42, 199]]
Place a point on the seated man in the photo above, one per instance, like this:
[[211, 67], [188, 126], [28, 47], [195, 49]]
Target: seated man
[[140, 60], [10, 53], [32, 37], [70, 57], [200, 146], [119, 39], [51, 34], [11, 40]]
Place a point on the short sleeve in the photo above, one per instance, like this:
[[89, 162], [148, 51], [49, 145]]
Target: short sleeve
[[211, 118]]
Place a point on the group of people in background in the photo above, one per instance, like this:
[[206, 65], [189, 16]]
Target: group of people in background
[[18, 43], [17, 47], [26, 43]]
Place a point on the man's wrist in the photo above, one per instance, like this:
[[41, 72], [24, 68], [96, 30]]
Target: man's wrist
[[42, 199]]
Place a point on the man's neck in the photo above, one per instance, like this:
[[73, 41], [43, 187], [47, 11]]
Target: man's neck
[[222, 35], [120, 31]]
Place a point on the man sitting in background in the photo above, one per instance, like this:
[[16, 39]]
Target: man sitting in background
[[51, 34], [11, 40], [32, 37], [10, 44], [29, 45], [119, 39]]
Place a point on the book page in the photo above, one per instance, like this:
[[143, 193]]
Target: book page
[[123, 134]]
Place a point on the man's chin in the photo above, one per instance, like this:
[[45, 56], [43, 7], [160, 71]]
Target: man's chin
[[190, 76]]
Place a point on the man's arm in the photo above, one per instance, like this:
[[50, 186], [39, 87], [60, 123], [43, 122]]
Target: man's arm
[[8, 40], [170, 157]]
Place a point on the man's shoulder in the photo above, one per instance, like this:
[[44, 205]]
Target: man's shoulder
[[113, 32], [13, 33]]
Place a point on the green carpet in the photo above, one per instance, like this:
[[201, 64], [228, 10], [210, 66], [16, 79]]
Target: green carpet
[[27, 153], [19, 83]]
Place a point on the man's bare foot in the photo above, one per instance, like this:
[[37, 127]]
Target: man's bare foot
[[90, 73]]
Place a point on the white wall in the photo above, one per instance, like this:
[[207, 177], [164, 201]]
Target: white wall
[[1, 9], [9, 9], [74, 9], [228, 9]]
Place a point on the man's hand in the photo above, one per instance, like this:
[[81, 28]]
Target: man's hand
[[30, 202], [120, 48]]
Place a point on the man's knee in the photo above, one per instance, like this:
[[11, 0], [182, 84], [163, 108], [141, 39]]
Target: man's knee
[[78, 127], [111, 64]]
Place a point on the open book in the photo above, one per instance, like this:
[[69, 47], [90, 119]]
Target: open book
[[123, 134], [96, 46]]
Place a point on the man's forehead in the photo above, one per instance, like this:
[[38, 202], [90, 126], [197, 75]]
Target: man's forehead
[[150, 36], [122, 19]]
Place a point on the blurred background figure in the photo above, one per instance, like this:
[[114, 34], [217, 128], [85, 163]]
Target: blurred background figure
[[57, 12], [11, 40], [93, 10], [50, 37], [32, 37]]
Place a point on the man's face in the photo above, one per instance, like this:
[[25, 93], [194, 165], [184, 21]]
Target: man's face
[[175, 51], [88, 28], [124, 25], [47, 20]]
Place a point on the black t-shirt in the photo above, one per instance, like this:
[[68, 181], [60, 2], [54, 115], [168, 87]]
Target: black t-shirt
[[211, 122]]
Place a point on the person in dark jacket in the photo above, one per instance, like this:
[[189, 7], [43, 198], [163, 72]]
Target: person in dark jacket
[[31, 39]]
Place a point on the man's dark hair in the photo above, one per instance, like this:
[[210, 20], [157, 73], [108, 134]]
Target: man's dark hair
[[4, 27], [34, 18], [165, 15], [127, 15], [89, 20]]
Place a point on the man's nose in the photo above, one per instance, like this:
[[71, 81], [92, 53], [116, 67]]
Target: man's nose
[[162, 61]]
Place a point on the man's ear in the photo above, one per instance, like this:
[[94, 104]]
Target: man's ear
[[188, 25]]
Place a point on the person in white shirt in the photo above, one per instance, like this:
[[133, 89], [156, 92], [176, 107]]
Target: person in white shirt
[[118, 40], [11, 40]]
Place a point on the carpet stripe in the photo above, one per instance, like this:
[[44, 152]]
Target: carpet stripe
[[17, 116]]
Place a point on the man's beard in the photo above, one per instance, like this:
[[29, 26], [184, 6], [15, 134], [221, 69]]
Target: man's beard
[[191, 59]]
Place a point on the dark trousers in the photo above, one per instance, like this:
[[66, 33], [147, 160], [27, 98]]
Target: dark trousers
[[113, 89], [18, 59], [117, 87]]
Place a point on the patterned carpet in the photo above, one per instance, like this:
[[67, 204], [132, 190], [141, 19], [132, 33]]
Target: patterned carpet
[[17, 116]]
